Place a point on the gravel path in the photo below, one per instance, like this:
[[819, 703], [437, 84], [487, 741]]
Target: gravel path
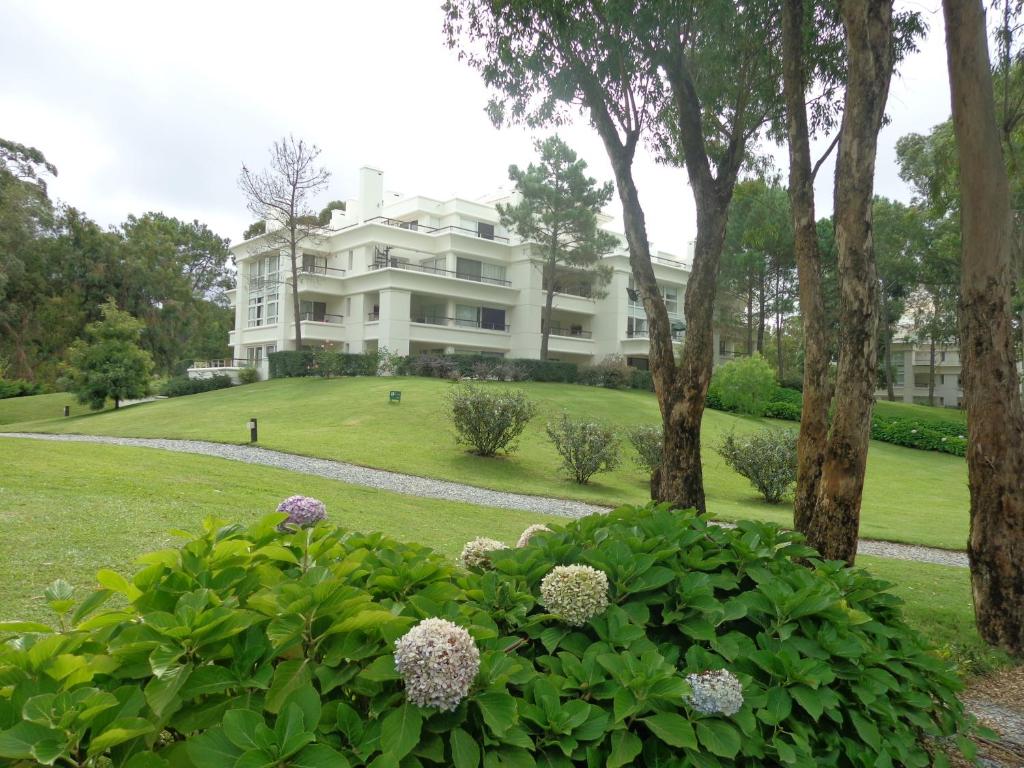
[[412, 485]]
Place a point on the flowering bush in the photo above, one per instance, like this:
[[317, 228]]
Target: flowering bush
[[302, 511], [323, 647], [530, 532], [438, 661], [586, 447], [489, 421], [648, 441], [766, 458], [476, 553], [576, 593]]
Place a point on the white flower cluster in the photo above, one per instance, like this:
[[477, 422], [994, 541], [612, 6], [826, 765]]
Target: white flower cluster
[[716, 691], [438, 661], [528, 534], [577, 593], [474, 554]]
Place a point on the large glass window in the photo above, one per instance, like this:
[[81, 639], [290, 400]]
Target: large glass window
[[492, 273], [466, 316]]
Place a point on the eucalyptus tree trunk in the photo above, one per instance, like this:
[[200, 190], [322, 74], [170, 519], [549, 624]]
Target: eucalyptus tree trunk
[[816, 395], [995, 417], [836, 522]]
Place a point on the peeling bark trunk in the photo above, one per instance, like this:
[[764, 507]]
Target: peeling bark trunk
[[995, 416], [816, 395], [833, 530]]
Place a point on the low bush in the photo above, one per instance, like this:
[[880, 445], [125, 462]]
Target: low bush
[[179, 386], [766, 458], [248, 375], [642, 380], [611, 373], [325, 363], [18, 388], [648, 441], [641, 637], [586, 447], [487, 420], [745, 385], [468, 365]]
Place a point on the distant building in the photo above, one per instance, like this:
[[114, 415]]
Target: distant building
[[418, 275], [912, 373]]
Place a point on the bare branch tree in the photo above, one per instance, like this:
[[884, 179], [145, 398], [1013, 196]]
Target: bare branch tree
[[282, 193]]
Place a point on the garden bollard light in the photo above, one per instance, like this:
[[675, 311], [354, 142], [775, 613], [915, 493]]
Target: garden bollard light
[[67, 410], [252, 430]]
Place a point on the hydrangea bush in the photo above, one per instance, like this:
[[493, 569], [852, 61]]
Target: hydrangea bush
[[302, 512], [248, 646], [476, 553]]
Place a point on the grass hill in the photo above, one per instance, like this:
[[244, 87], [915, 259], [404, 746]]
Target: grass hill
[[910, 495]]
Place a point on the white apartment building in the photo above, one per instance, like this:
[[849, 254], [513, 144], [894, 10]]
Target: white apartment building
[[911, 373], [418, 275]]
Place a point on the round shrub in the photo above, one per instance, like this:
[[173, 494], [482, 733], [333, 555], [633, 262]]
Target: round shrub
[[745, 385], [649, 442], [248, 375], [586, 447], [766, 458], [489, 421], [246, 646]]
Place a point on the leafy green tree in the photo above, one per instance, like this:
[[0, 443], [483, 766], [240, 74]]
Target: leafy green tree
[[558, 210], [109, 363]]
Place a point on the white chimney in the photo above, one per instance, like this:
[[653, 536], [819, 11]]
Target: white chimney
[[371, 192]]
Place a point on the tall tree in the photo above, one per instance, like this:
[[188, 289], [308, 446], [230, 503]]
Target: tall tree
[[108, 364], [558, 210], [870, 58], [995, 415], [283, 194]]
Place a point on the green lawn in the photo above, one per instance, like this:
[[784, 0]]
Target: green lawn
[[39, 407], [69, 509], [886, 409], [912, 496]]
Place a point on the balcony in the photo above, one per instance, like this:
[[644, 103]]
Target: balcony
[[577, 333], [677, 336], [455, 322], [395, 263], [322, 270], [322, 317], [414, 226]]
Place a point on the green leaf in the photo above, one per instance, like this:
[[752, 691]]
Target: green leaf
[[162, 692], [465, 751], [719, 738], [291, 736], [380, 670], [809, 699], [256, 758], [498, 710], [115, 582], [675, 730], [240, 727], [308, 702], [319, 756], [118, 732], [146, 760], [400, 731], [625, 747], [91, 603], [22, 741], [212, 749], [289, 676], [24, 626]]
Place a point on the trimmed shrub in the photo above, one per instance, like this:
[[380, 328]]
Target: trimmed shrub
[[648, 440], [248, 375], [611, 373], [18, 388], [586, 447], [642, 380], [291, 363], [745, 385], [688, 644], [489, 421], [766, 458], [469, 365], [179, 386]]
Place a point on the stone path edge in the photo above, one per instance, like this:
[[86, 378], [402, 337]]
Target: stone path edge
[[412, 485]]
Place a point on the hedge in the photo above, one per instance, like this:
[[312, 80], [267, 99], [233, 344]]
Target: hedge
[[921, 433], [18, 388], [531, 370], [295, 363], [183, 385]]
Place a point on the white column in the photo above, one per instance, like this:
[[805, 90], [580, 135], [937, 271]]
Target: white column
[[525, 314], [355, 322], [395, 305]]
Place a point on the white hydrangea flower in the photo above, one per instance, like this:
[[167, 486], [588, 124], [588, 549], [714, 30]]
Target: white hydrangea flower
[[438, 661], [474, 554], [528, 534], [716, 691], [577, 593]]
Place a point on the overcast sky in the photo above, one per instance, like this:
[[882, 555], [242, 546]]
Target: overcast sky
[[145, 106]]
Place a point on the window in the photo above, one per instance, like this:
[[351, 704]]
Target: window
[[413, 225], [271, 349], [262, 310], [636, 326], [466, 316], [313, 310], [314, 264], [671, 296], [898, 372], [921, 379], [492, 319], [435, 265], [254, 355], [492, 273], [468, 269], [485, 230]]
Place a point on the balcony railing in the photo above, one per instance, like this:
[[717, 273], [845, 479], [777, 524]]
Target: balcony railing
[[393, 263], [572, 332], [458, 322], [373, 316], [321, 269], [414, 226], [583, 291], [645, 334], [325, 317]]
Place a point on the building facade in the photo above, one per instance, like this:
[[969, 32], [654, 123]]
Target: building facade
[[912, 373], [418, 275]]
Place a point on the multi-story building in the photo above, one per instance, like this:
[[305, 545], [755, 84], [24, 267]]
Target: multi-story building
[[912, 373], [418, 275]]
